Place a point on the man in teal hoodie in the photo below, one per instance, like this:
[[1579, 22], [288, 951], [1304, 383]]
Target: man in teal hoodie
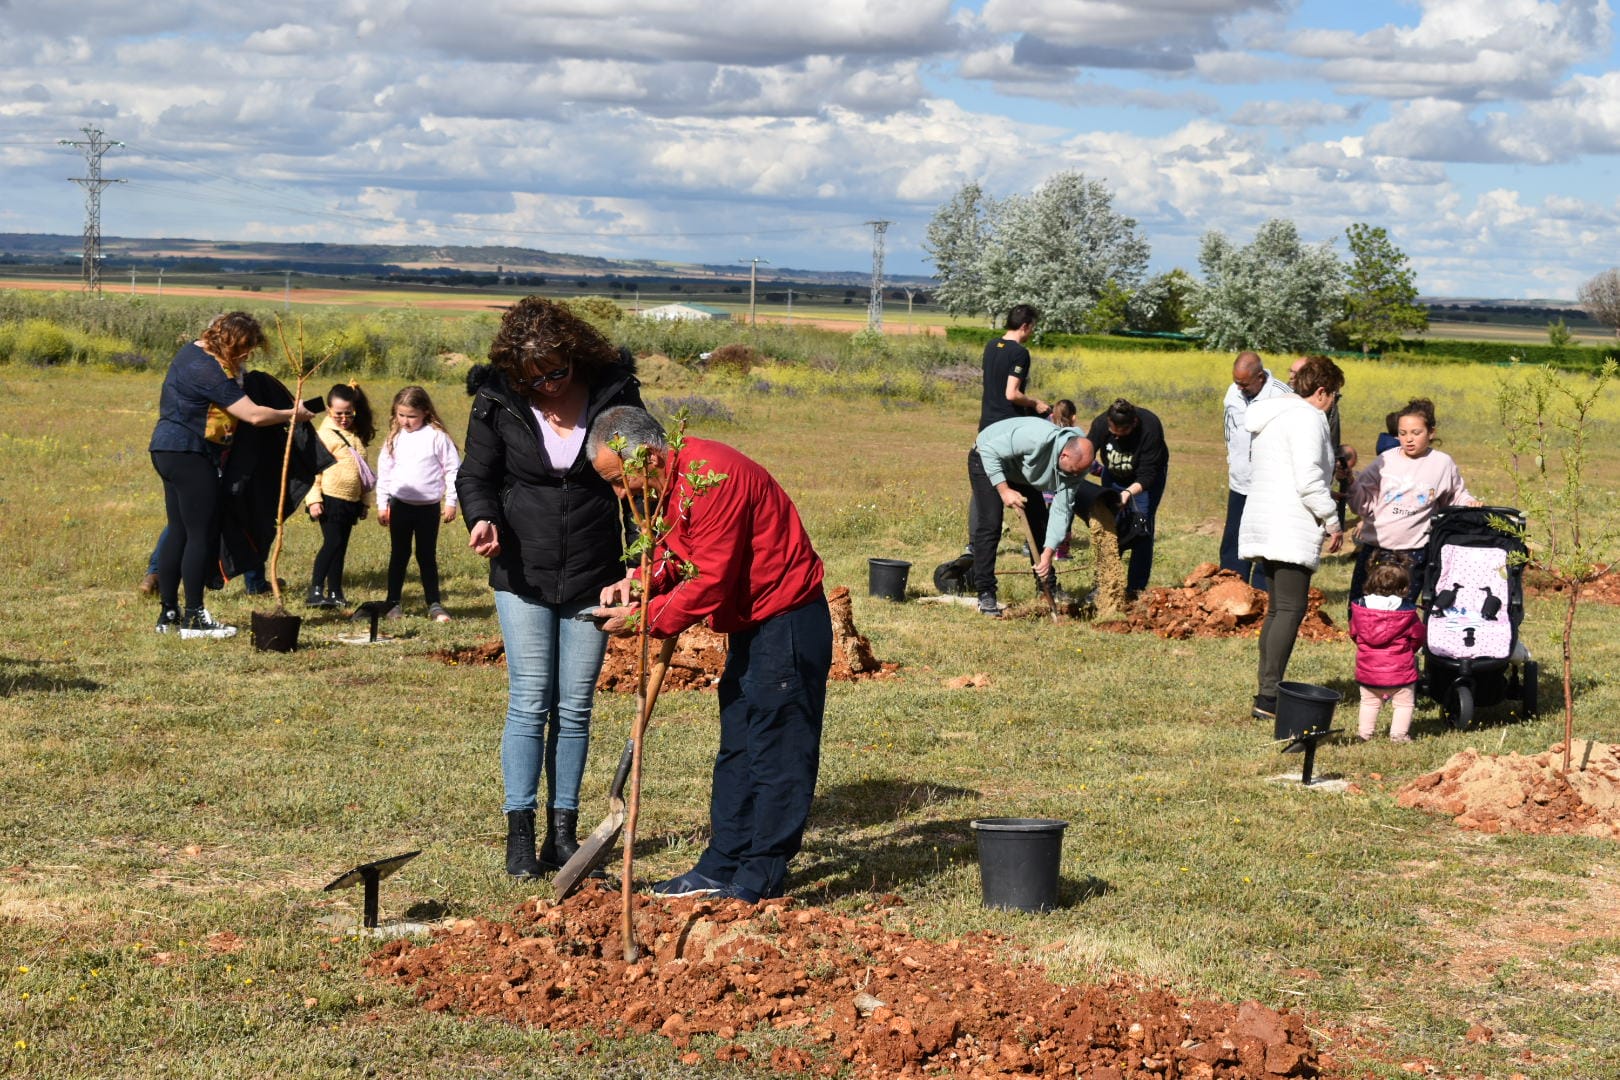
[[1011, 463]]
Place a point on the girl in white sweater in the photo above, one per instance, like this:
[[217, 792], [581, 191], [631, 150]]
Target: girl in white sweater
[[416, 472]]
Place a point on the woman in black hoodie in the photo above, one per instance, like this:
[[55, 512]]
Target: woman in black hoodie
[[552, 531]]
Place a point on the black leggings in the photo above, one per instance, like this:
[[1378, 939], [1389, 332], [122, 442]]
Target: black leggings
[[408, 522], [189, 552], [337, 522]]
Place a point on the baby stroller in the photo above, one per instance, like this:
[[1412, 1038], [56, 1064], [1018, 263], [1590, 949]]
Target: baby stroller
[[1473, 599]]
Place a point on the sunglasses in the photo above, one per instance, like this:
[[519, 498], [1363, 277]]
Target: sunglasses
[[550, 377]]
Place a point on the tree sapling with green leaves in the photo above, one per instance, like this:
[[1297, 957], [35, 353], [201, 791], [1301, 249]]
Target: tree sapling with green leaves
[[1572, 534]]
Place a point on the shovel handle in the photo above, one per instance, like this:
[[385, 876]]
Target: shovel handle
[[655, 679], [616, 789], [1034, 548]]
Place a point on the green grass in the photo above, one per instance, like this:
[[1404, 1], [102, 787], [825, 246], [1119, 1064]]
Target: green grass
[[161, 793]]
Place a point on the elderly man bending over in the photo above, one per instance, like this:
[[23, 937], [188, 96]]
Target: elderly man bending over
[[741, 559], [1011, 463]]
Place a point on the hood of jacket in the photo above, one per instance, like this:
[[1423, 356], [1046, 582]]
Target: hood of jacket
[[1284, 407], [1379, 628]]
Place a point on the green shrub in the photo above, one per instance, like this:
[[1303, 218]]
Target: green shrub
[[978, 335]]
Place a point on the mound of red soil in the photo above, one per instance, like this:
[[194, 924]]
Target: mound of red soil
[[1212, 602], [881, 1000], [1605, 590], [1511, 793], [700, 656]]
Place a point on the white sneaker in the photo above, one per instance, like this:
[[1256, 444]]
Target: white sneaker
[[197, 623]]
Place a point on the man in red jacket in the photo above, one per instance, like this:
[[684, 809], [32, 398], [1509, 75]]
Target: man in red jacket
[[742, 560]]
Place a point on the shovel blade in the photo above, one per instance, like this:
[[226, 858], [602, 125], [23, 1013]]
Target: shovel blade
[[594, 851]]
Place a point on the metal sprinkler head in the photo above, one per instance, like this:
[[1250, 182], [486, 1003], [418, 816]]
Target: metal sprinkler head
[[370, 875]]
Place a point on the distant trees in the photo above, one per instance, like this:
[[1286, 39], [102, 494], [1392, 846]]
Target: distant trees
[[1275, 294], [1600, 298], [1062, 248], [1164, 304], [1380, 299]]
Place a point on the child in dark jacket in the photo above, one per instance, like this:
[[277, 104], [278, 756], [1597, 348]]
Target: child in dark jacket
[[1388, 633]]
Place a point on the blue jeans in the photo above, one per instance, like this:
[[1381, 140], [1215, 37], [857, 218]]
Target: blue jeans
[[772, 696], [552, 661]]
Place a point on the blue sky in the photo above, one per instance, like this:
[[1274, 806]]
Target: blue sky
[[1482, 134]]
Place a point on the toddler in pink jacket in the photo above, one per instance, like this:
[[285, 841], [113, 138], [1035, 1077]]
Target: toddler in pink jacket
[[1388, 633]]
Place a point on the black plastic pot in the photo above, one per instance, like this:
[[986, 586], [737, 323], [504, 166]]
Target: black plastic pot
[[276, 633], [1018, 862], [886, 578], [1303, 708]]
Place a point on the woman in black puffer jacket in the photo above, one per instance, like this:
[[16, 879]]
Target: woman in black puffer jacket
[[554, 536]]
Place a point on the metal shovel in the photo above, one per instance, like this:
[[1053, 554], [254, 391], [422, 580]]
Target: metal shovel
[[1041, 586], [594, 850]]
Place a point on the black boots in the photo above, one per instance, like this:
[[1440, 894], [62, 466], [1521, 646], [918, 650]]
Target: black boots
[[520, 862], [558, 848], [559, 845]]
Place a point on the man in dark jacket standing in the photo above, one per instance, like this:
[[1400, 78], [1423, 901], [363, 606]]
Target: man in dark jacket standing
[[1135, 465], [737, 555], [1005, 382]]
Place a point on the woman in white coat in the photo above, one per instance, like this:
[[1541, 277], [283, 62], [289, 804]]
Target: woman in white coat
[[1290, 509]]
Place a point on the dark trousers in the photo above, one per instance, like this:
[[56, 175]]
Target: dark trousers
[[987, 531], [411, 523], [1285, 610], [1251, 570], [1141, 551], [337, 522], [188, 551], [772, 696]]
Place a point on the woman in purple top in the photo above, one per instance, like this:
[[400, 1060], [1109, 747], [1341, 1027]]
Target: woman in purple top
[[552, 531], [201, 404]]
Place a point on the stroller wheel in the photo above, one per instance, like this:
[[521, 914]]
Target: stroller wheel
[[1529, 691], [1460, 706]]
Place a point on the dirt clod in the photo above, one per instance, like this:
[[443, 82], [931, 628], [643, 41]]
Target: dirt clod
[[1212, 602], [700, 657], [1513, 793], [850, 990]]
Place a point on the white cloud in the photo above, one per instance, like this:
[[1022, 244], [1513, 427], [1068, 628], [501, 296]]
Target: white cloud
[[1467, 50]]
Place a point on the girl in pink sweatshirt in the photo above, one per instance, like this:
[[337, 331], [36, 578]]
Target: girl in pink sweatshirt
[[1396, 496], [416, 474], [1388, 633]]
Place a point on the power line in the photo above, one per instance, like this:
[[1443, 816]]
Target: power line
[[93, 146]]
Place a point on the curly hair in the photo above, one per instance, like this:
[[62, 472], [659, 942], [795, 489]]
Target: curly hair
[[1389, 576], [1318, 373], [535, 328], [233, 336]]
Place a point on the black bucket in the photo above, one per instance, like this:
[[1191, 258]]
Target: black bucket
[[886, 578], [276, 633], [1018, 862], [1303, 708]]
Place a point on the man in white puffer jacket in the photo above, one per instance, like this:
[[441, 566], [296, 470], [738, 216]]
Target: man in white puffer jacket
[[1290, 509]]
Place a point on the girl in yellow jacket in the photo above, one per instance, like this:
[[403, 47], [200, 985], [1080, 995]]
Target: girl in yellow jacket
[[338, 498]]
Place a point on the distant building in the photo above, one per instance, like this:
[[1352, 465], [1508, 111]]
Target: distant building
[[696, 312]]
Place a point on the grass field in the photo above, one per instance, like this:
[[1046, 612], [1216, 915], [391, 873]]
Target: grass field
[[172, 809]]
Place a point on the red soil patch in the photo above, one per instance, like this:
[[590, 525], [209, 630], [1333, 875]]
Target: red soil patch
[[880, 1000], [1212, 602], [700, 656], [1526, 794], [1605, 590]]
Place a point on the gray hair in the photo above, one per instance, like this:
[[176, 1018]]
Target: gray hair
[[636, 426]]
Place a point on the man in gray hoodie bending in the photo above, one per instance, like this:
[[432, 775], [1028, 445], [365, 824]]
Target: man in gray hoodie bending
[[1011, 463]]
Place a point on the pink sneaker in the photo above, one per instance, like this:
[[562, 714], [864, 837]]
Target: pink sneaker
[[437, 613]]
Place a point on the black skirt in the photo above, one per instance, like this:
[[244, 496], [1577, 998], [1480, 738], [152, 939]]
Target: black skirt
[[342, 511]]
